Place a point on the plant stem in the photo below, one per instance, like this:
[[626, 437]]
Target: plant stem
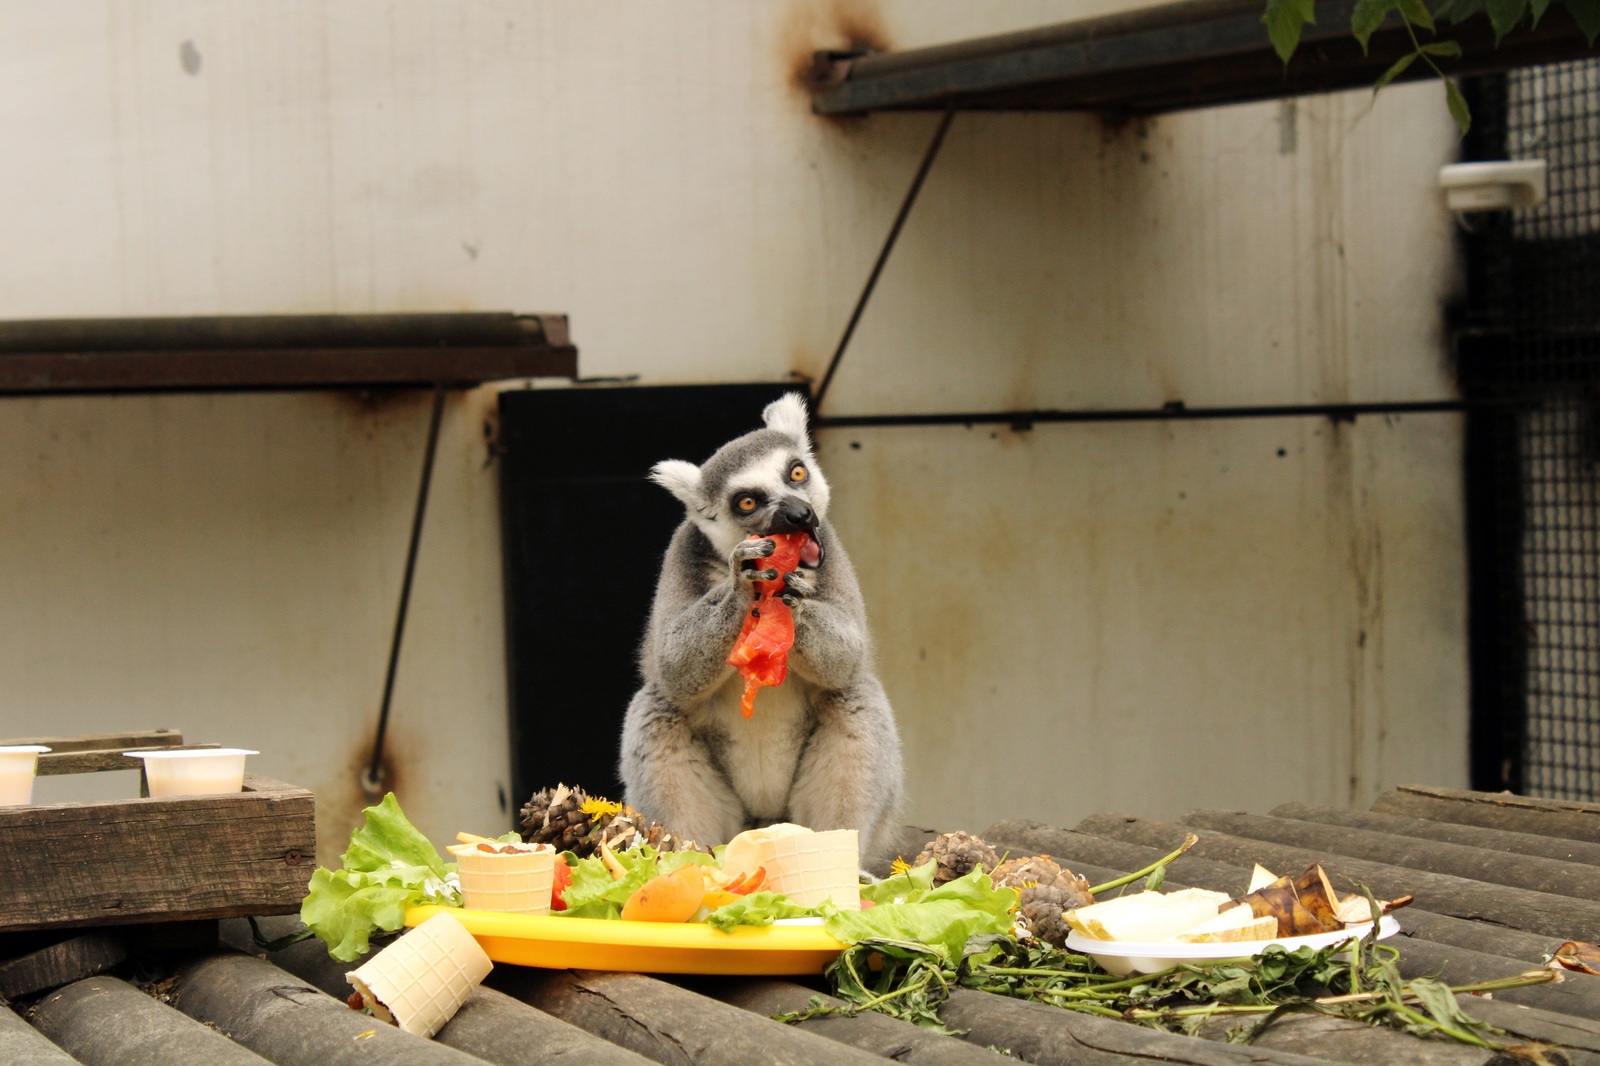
[[1188, 842]]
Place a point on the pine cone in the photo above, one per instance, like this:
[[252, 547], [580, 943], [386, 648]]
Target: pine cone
[[1046, 889], [569, 819], [956, 853], [555, 816], [628, 827]]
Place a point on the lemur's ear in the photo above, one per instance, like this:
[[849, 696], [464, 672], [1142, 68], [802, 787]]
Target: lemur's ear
[[679, 478], [787, 415]]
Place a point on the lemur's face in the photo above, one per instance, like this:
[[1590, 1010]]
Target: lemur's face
[[762, 483]]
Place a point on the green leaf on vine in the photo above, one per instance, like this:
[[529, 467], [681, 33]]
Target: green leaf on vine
[[1537, 9], [1458, 105], [1586, 13], [1368, 16], [1447, 49], [1395, 71], [1416, 13], [1284, 18], [1457, 11], [1504, 15]]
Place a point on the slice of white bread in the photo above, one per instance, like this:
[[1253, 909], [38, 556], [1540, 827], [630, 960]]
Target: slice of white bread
[[1231, 926], [1147, 917]]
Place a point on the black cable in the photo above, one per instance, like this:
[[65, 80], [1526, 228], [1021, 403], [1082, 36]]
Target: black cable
[[883, 257], [372, 777]]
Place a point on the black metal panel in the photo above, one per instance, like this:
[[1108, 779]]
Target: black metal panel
[[1196, 53], [583, 537], [1532, 335]]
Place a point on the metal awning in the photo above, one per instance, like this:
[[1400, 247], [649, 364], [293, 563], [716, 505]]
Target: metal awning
[[245, 352], [1195, 53]]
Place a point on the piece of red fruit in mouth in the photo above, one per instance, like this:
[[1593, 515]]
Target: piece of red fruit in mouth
[[762, 651]]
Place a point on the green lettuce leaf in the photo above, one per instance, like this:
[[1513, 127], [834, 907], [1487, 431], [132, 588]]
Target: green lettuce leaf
[[594, 893], [758, 908], [943, 918], [388, 868], [908, 887]]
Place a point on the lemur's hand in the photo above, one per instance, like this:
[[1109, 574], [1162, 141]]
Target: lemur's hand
[[743, 561], [796, 587]]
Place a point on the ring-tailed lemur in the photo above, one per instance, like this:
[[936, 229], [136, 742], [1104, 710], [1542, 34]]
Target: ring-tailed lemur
[[821, 749]]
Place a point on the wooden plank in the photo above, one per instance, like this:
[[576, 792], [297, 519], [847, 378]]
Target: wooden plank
[[1051, 1036], [496, 1028], [61, 963], [149, 738], [1513, 944], [1531, 872], [491, 1025], [1563, 849], [868, 1030], [102, 1021], [1576, 994], [147, 860], [1579, 1037], [1534, 912], [1346, 1040], [287, 1021], [669, 1024], [23, 1045], [1495, 810]]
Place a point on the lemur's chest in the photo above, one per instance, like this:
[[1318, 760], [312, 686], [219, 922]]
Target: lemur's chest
[[760, 753]]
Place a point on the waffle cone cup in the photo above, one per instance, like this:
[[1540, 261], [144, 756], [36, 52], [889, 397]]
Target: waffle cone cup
[[812, 867], [421, 980], [519, 882]]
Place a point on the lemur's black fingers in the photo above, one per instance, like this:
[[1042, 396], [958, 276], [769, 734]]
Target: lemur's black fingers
[[795, 585], [759, 575], [790, 600], [747, 550]]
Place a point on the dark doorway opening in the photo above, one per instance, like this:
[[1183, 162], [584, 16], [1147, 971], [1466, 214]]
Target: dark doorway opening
[[583, 534]]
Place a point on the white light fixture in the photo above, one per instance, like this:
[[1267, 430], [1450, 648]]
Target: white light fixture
[[1501, 185]]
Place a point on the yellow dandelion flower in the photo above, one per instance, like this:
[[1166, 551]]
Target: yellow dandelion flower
[[899, 866], [597, 808]]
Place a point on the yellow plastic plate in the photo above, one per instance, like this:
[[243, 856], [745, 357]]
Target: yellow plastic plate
[[642, 947]]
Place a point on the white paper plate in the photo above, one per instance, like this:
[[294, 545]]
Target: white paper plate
[[1122, 957]]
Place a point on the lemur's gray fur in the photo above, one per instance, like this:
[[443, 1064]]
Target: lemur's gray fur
[[821, 749]]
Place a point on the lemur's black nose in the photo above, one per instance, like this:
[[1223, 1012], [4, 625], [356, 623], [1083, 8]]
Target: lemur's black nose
[[794, 516]]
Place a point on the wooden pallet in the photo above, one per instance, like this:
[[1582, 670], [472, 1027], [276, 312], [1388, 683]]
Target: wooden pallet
[[121, 862]]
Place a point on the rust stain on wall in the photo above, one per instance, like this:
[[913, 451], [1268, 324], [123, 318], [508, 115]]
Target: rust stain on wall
[[811, 26], [340, 802]]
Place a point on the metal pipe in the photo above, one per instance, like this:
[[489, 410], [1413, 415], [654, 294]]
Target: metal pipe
[[1172, 412], [883, 257], [372, 777]]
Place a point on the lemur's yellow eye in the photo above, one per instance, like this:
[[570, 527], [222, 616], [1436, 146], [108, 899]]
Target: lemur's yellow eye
[[746, 504], [797, 473]]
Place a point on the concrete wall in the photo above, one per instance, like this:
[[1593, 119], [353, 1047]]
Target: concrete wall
[[1142, 616]]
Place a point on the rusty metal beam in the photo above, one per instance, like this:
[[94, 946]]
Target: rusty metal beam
[[280, 352], [1195, 53]]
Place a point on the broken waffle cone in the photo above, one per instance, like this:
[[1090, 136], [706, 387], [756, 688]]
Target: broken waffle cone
[[1302, 905], [812, 867], [506, 877], [421, 980]]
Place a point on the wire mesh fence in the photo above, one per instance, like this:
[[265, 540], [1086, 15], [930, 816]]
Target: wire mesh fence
[[1532, 338]]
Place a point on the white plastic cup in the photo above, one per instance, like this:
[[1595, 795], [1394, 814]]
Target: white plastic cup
[[18, 763], [193, 771], [421, 980], [519, 881]]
